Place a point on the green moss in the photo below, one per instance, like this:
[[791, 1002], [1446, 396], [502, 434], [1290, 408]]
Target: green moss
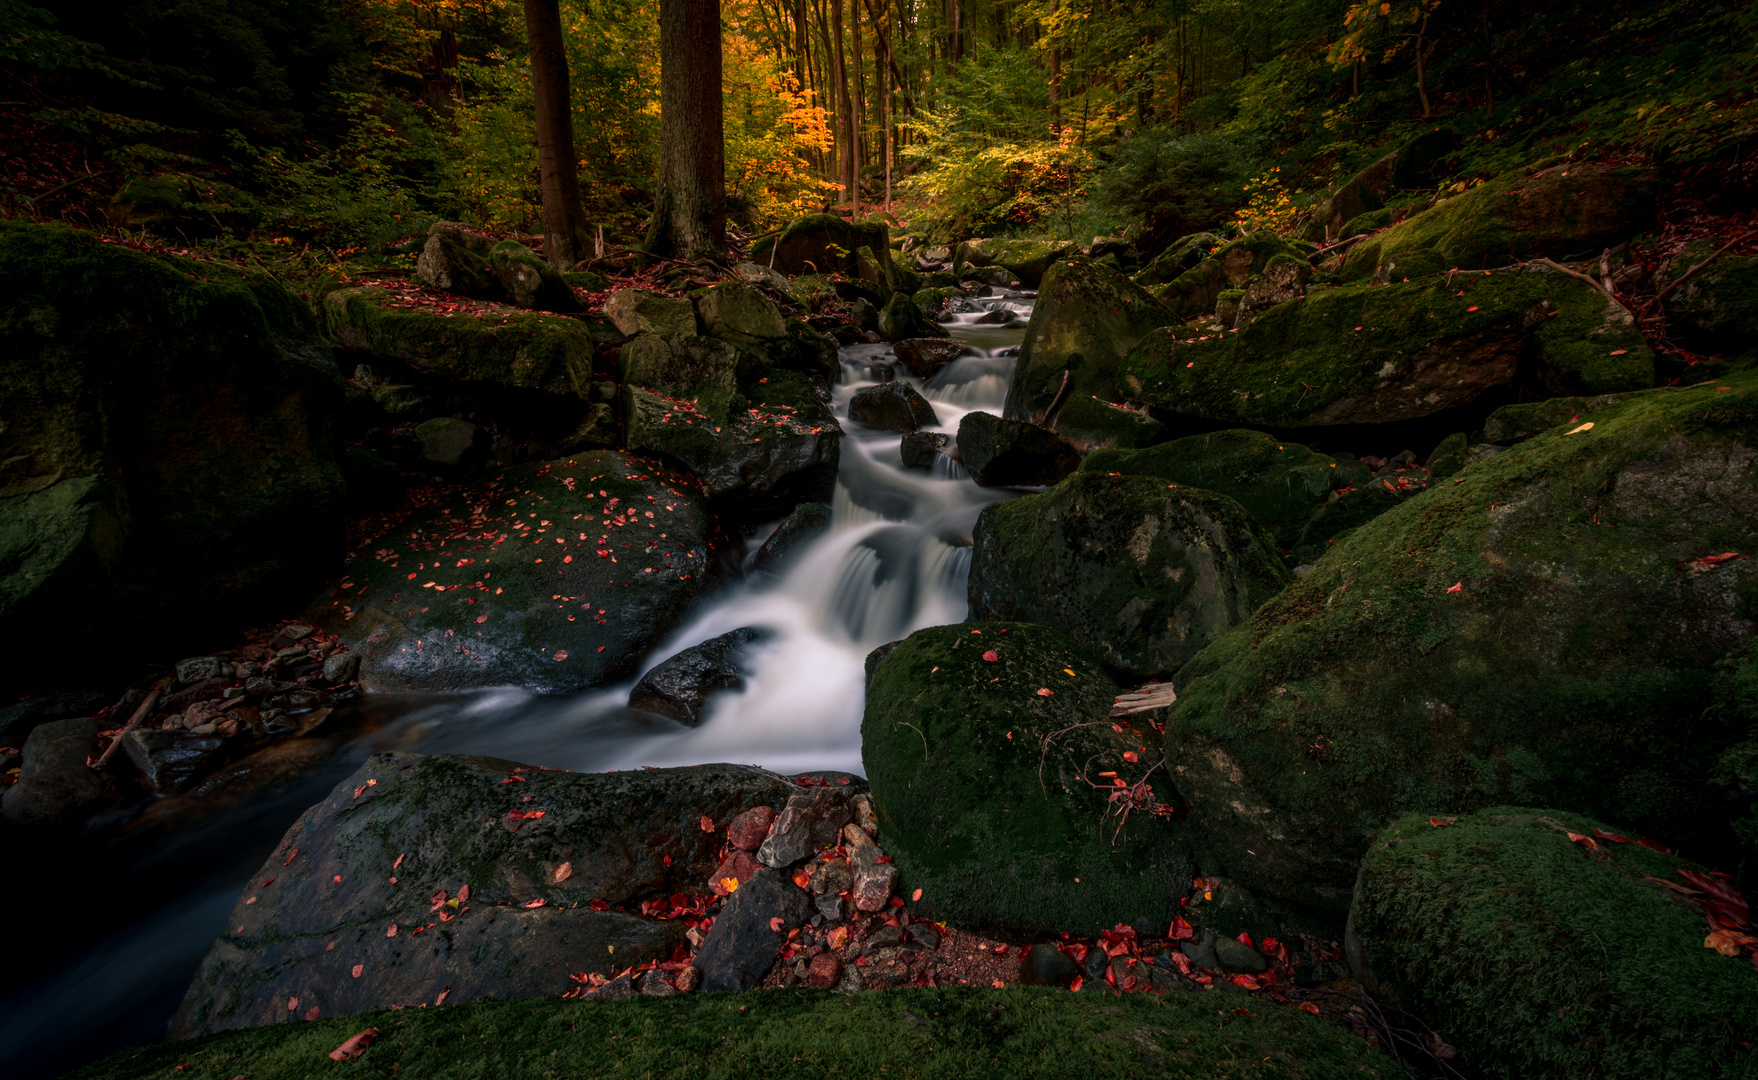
[[978, 781], [1372, 221], [1377, 354], [823, 244], [1575, 209], [1572, 667], [1279, 483], [1538, 958], [1026, 260], [793, 1035], [487, 344], [1717, 309], [1196, 291], [1184, 254]]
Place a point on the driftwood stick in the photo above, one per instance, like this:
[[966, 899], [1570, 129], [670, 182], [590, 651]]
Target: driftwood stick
[[146, 708]]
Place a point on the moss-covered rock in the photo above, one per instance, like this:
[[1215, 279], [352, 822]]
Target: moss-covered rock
[[1378, 354], [1545, 958], [464, 592], [1024, 259], [951, 1033], [169, 453], [989, 793], [458, 259], [900, 318], [1716, 309], [823, 244], [528, 280], [1184, 254], [1278, 483], [1232, 267], [700, 370], [1535, 633], [1141, 574], [1085, 321], [1576, 209], [482, 343], [1012, 453], [1449, 457], [1356, 505], [407, 828]]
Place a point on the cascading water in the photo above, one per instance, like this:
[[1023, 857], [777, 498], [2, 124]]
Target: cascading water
[[894, 560]]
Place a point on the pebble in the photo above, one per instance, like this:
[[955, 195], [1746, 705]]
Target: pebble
[[748, 831]]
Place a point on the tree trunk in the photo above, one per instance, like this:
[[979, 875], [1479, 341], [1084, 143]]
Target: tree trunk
[[564, 221], [846, 164], [1421, 75], [1055, 80], [857, 114], [689, 218]]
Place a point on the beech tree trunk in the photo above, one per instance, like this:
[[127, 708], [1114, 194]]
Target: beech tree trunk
[[689, 217], [844, 107], [564, 221]]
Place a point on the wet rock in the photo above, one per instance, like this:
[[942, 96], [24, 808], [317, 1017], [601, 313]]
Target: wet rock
[[1086, 320], [924, 357], [680, 686], [977, 813], [733, 871], [1515, 603], [823, 244], [824, 971], [886, 937], [740, 314], [920, 449], [170, 760], [746, 938], [450, 443], [807, 522], [486, 617], [1013, 453], [636, 311], [832, 876], [1235, 955], [748, 831], [874, 881], [829, 906], [441, 824], [18, 721], [865, 315], [230, 450], [925, 934], [901, 318], [341, 667], [55, 788], [687, 367], [811, 821], [892, 406]]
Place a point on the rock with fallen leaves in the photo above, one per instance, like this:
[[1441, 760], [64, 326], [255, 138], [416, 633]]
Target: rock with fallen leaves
[[1010, 809], [55, 788], [460, 854], [811, 821], [1716, 310], [1573, 662], [1373, 355], [1141, 574], [555, 576], [1540, 956], [750, 931]]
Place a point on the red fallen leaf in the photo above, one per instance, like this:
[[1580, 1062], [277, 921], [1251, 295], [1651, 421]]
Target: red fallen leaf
[[776, 924], [1181, 930], [1438, 822], [1585, 841], [1130, 756], [1724, 894], [917, 895], [1707, 561], [1728, 942], [883, 859], [482, 618], [439, 897], [399, 861], [537, 903], [897, 901], [1045, 691], [561, 654], [292, 1004], [355, 1046], [1470, 309], [1246, 981], [1656, 845], [1244, 939], [392, 932], [1074, 987], [514, 780], [359, 790], [1619, 352], [464, 894], [707, 823], [1456, 586], [358, 968], [598, 905], [291, 856], [991, 656], [1001, 949], [1612, 836], [1309, 1007], [563, 872], [1180, 961], [311, 1013], [443, 995]]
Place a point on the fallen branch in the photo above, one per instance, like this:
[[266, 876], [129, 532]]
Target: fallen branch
[[1597, 287], [146, 707], [1681, 279], [1057, 402]]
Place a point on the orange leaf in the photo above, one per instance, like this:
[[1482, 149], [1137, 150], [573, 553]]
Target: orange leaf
[[1585, 841], [563, 872], [355, 1046]]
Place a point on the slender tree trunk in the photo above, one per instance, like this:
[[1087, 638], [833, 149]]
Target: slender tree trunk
[[564, 221], [846, 165], [1421, 75], [858, 114], [689, 218], [1055, 80]]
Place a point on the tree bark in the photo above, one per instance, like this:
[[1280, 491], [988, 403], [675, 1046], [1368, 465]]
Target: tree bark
[[846, 163], [1055, 80], [689, 217], [1421, 75], [564, 221]]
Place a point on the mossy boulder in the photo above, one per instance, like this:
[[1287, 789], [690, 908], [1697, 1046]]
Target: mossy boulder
[[466, 591], [781, 449], [1353, 506], [1185, 254], [405, 829], [822, 244], [1140, 573], [1378, 354], [1535, 633], [483, 344], [700, 370], [989, 794], [1539, 957], [1232, 267], [740, 314], [1012, 453], [1716, 308], [1574, 210], [170, 449], [639, 311], [1085, 321], [528, 280], [1024, 259], [1518, 422], [458, 259], [1278, 483], [900, 319]]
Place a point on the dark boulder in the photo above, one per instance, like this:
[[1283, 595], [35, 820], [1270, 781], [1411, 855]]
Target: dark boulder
[[458, 259], [920, 449], [892, 406], [900, 319], [822, 244], [811, 821], [1141, 575], [171, 759], [924, 357], [18, 721], [55, 786], [750, 930], [1013, 453], [680, 686], [805, 523]]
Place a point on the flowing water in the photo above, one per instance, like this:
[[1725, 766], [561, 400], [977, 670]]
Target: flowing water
[[111, 965]]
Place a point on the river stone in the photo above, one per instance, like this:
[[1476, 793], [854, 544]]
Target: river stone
[[1360, 355], [748, 831], [782, 451], [169, 456], [997, 827], [637, 311], [1573, 665], [920, 449], [812, 820], [499, 347], [448, 442], [740, 314], [687, 367], [1572, 210], [924, 357], [1046, 965], [463, 592], [55, 787], [444, 823], [1013, 453], [18, 721], [1140, 575], [1279, 483], [1494, 928], [805, 523], [744, 941], [892, 406], [900, 318], [680, 686], [170, 760], [1085, 320]]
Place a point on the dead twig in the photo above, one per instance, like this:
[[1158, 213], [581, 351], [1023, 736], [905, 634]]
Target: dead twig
[[1606, 289], [146, 707], [1682, 278], [1056, 403]]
